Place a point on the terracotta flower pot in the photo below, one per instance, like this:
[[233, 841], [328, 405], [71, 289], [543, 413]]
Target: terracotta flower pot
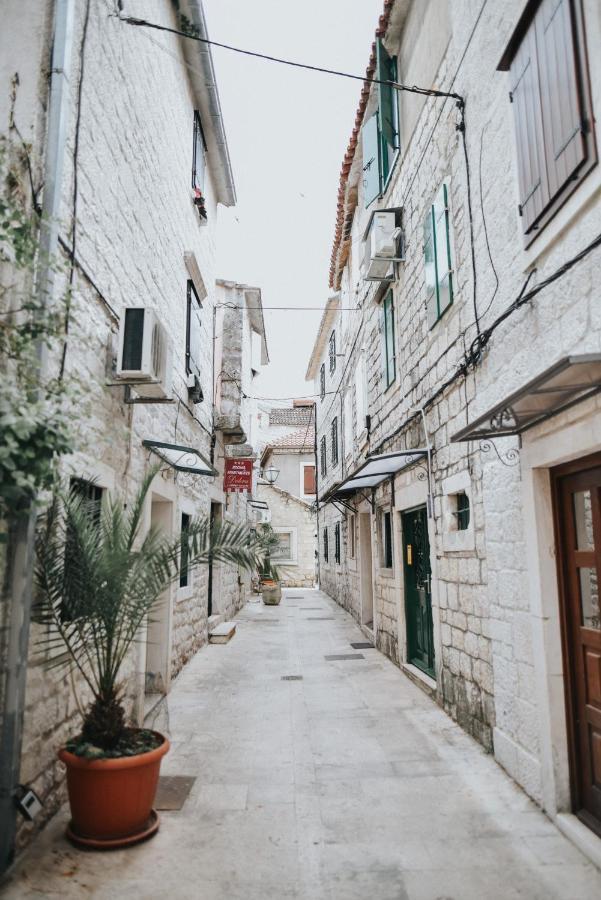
[[111, 799]]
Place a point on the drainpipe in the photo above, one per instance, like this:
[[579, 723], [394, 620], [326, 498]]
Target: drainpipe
[[19, 574]]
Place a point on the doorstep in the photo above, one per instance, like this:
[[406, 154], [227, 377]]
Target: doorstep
[[221, 634], [425, 682], [585, 839]]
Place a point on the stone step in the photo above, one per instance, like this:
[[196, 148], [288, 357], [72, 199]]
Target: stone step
[[221, 634]]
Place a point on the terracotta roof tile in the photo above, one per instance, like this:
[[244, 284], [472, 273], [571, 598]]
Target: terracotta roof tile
[[352, 145]]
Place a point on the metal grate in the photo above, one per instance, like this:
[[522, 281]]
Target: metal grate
[[337, 656], [362, 645], [292, 677]]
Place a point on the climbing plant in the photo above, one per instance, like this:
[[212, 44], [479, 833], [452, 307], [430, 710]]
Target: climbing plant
[[35, 423]]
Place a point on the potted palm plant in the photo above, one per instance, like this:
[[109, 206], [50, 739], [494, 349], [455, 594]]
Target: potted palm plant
[[271, 589], [98, 578]]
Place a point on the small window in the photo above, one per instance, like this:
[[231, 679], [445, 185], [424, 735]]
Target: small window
[[198, 155], [549, 92], [437, 255], [462, 511], [193, 332], [386, 540], [332, 351], [325, 545], [337, 542], [335, 441], [184, 569], [323, 457], [284, 552], [388, 349], [351, 536], [322, 381], [309, 486]]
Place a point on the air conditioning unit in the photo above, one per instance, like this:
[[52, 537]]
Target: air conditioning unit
[[145, 353], [383, 238]]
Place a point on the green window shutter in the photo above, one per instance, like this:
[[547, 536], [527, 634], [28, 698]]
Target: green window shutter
[[443, 250], [389, 332], [437, 258], [388, 107], [372, 182], [430, 267]]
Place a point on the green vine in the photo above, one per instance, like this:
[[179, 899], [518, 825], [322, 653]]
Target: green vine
[[35, 427]]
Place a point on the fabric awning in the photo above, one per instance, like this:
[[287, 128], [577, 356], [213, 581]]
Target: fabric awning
[[181, 458], [374, 471], [569, 381]]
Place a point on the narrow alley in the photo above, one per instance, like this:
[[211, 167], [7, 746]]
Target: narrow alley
[[320, 771]]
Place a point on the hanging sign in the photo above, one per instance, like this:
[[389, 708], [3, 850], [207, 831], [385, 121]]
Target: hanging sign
[[238, 475]]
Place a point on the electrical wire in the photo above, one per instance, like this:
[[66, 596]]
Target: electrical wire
[[194, 36], [484, 225]]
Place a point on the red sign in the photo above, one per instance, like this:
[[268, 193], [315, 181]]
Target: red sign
[[238, 475]]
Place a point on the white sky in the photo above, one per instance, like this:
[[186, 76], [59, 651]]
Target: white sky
[[287, 133]]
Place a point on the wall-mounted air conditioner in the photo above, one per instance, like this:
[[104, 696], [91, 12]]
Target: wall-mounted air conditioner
[[145, 353], [383, 245]]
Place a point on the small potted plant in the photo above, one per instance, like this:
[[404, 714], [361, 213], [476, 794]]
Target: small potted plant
[[98, 578]]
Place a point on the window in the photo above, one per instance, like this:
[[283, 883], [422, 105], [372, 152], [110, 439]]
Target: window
[[325, 545], [386, 539], [286, 549], [184, 570], [335, 441], [193, 332], [388, 352], [360, 396], [348, 421], [322, 382], [380, 134], [91, 499], [438, 261], [462, 511], [351, 536], [332, 349], [323, 457], [551, 105], [308, 473], [337, 542], [198, 155]]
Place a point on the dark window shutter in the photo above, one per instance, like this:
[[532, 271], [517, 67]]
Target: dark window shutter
[[371, 160], [388, 109], [565, 144], [525, 94], [334, 441], [430, 269], [322, 381]]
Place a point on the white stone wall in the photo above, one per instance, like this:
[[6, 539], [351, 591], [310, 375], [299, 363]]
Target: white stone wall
[[292, 513], [135, 222], [490, 663]]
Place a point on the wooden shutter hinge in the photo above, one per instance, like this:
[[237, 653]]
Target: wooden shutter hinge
[[510, 97], [585, 126], [520, 209]]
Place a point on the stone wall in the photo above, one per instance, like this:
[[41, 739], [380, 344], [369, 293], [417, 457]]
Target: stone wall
[[488, 675], [289, 512], [135, 222]]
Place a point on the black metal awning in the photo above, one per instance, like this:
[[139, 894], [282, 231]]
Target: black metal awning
[[569, 381], [373, 472], [180, 458]]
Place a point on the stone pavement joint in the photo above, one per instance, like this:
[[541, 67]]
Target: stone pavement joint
[[351, 783]]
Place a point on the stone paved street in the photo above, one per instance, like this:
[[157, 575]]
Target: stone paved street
[[350, 783]]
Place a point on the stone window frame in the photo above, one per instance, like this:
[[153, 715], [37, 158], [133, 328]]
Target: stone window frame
[[351, 536], [455, 540], [293, 532], [385, 509]]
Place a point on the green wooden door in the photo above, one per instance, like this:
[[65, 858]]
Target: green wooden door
[[418, 597]]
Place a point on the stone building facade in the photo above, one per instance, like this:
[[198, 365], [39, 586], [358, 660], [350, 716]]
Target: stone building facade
[[455, 561], [291, 499], [140, 161]]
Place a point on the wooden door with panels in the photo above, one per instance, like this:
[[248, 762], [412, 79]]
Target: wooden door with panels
[[577, 490]]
